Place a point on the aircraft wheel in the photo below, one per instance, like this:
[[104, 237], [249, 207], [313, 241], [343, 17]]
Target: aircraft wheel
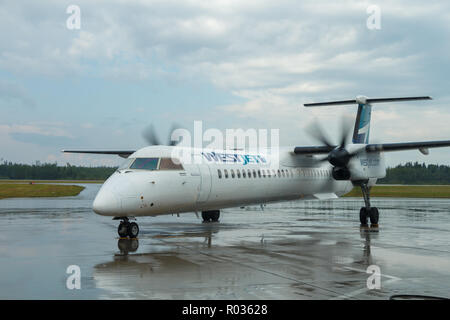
[[206, 216], [374, 215], [123, 229], [215, 215], [212, 215], [363, 216], [133, 230]]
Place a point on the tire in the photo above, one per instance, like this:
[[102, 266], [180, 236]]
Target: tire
[[363, 216], [206, 216], [374, 215], [133, 230], [215, 215], [212, 215], [123, 229]]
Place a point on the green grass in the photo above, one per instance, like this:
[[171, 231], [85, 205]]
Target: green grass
[[49, 181], [26, 190], [404, 191]]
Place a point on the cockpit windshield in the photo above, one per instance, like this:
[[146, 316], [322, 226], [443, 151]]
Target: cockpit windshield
[[145, 163], [162, 164]]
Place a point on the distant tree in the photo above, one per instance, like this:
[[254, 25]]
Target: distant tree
[[9, 170], [416, 173]]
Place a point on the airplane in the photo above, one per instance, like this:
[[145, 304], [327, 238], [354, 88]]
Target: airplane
[[152, 182]]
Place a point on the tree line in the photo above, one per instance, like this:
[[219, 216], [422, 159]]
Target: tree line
[[408, 173], [417, 173], [51, 171]]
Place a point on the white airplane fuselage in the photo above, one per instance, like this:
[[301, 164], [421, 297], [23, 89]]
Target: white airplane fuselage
[[218, 179]]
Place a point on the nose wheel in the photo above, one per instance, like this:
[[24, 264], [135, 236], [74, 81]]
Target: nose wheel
[[127, 228], [211, 216]]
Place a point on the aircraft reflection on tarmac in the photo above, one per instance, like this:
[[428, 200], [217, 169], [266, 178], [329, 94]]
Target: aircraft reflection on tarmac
[[180, 265], [127, 245]]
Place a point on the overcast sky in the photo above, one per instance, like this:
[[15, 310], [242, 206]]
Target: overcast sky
[[231, 64]]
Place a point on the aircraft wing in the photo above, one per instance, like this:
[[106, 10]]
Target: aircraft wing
[[313, 150], [406, 146], [378, 147], [120, 153]]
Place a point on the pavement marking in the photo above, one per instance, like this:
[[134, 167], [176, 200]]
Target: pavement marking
[[354, 293]]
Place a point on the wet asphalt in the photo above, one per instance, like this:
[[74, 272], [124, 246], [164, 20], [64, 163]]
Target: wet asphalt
[[292, 250]]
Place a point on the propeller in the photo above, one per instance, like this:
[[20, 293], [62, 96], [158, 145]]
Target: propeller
[[339, 157], [152, 138]]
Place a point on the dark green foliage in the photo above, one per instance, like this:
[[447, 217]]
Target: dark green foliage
[[416, 173], [51, 171]]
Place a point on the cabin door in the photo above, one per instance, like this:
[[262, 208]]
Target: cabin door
[[205, 183]]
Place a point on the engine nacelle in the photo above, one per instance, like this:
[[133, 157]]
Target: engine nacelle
[[341, 173], [364, 166], [367, 166]]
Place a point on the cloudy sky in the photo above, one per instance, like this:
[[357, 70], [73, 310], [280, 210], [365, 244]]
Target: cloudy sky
[[231, 64]]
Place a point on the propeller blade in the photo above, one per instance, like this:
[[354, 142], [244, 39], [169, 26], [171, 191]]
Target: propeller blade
[[346, 128], [316, 131], [171, 142], [150, 136]]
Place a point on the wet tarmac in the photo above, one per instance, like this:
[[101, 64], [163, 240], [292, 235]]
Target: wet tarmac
[[294, 250]]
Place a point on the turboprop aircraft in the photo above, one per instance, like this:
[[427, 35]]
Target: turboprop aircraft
[[155, 181]]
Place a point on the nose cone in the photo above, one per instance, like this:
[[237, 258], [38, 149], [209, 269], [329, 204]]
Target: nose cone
[[106, 203]]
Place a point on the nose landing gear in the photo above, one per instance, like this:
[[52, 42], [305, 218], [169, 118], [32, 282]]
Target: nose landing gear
[[210, 216], [127, 228]]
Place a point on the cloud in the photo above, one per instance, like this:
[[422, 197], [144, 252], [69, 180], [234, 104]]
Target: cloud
[[40, 139], [271, 56], [12, 94]]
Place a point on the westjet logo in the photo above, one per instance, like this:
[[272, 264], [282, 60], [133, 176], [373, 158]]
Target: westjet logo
[[233, 158]]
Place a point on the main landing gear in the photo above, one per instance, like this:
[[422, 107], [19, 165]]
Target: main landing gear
[[368, 212], [127, 228], [210, 216]]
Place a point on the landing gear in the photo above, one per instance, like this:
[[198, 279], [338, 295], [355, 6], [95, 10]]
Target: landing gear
[[127, 228], [372, 214], [368, 212], [210, 216]]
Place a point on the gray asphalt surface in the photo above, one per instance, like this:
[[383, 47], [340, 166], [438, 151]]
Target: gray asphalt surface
[[294, 250]]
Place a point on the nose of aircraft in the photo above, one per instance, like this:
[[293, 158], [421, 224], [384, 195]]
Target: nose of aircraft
[[106, 203]]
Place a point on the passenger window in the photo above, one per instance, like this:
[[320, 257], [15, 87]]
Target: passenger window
[[225, 173], [219, 173], [279, 173], [238, 173], [254, 173], [145, 164], [232, 173], [170, 164], [249, 173], [259, 173], [244, 175]]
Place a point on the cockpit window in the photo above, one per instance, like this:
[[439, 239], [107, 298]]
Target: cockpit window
[[170, 164], [145, 164]]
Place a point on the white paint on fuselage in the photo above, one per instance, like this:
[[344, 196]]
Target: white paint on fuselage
[[198, 187]]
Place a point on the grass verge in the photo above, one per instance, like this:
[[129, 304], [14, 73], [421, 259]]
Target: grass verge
[[404, 191], [22, 190]]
